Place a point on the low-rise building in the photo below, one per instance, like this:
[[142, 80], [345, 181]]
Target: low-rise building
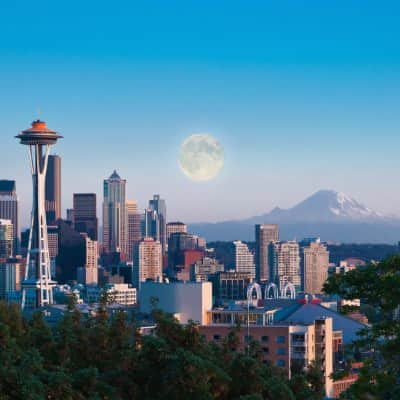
[[121, 293], [185, 300]]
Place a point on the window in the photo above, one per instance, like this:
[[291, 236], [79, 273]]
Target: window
[[217, 337], [265, 350], [280, 363], [248, 338], [264, 338], [280, 339], [281, 351]]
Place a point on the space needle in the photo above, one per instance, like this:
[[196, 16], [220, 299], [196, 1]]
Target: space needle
[[38, 280]]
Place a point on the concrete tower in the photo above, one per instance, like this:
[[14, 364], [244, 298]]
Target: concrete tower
[[37, 280]]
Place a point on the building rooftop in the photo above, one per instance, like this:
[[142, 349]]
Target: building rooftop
[[307, 313], [7, 187], [115, 175]]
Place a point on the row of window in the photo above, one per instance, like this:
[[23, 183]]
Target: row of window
[[278, 339]]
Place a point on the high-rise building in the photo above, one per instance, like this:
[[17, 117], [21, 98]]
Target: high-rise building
[[151, 224], [115, 216], [285, 263], [10, 280], [9, 208], [85, 214], [134, 229], [314, 266], [6, 238], [150, 260], [175, 227], [53, 189], [265, 234], [71, 252], [157, 204], [244, 259], [70, 215], [38, 282], [88, 274]]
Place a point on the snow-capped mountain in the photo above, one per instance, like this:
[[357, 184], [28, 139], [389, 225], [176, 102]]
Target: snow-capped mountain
[[324, 205], [329, 214]]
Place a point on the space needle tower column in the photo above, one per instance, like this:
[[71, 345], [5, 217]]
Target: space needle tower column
[[38, 280]]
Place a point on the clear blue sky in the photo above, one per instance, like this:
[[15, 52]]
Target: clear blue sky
[[303, 95]]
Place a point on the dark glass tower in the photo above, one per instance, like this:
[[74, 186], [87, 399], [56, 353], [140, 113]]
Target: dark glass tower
[[53, 189], [157, 204], [85, 214]]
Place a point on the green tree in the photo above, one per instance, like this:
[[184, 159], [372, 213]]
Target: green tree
[[378, 286]]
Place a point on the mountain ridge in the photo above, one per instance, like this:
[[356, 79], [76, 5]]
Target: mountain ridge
[[327, 213]]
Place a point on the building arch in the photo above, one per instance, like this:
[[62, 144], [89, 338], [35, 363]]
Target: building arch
[[292, 291], [250, 289], [275, 292]]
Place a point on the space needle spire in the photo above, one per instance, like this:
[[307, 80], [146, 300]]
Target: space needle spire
[[38, 284]]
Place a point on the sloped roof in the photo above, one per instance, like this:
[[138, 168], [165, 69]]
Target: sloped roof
[[307, 313]]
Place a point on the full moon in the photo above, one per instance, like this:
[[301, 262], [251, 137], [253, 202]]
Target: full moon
[[201, 157]]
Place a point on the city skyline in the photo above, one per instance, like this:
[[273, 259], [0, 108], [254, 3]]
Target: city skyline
[[293, 100]]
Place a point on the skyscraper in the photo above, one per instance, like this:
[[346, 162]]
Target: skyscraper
[[244, 259], [9, 208], [134, 229], [285, 263], [88, 274], [157, 204], [115, 216], [10, 280], [6, 238], [85, 214], [150, 260], [38, 280], [151, 224], [53, 189], [314, 266], [265, 234], [175, 227]]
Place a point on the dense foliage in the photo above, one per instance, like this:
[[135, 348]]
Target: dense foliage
[[378, 286], [107, 358]]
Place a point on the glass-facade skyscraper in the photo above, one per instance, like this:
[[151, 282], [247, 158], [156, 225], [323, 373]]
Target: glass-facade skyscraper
[[115, 215]]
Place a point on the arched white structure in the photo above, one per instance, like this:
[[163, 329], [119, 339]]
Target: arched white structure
[[292, 291], [275, 291], [254, 286]]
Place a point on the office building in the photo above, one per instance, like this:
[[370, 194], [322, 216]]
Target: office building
[[10, 280], [265, 234], [6, 238], [285, 264], [175, 227], [121, 293], [85, 214], [70, 215], [88, 273], [151, 224], [150, 260], [9, 208], [157, 204], [71, 252], [244, 259], [53, 189], [228, 286], [314, 266], [134, 229], [115, 217], [203, 269]]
